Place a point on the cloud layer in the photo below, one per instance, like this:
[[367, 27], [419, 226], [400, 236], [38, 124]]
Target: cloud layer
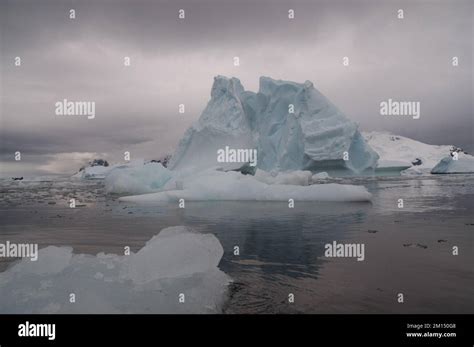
[[174, 61]]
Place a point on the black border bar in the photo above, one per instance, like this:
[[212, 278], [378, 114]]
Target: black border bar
[[320, 329]]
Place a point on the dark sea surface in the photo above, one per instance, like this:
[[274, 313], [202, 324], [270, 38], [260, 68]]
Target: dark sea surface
[[281, 250]]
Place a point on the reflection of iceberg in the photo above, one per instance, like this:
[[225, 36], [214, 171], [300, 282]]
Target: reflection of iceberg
[[173, 262], [270, 233], [292, 126]]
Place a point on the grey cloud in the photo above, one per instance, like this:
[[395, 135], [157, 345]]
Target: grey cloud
[[174, 62]]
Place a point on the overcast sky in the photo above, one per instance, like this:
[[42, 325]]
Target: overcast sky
[[174, 61]]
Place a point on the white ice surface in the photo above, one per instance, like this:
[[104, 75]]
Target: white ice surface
[[399, 151], [215, 185], [175, 261], [100, 172], [298, 177], [319, 176]]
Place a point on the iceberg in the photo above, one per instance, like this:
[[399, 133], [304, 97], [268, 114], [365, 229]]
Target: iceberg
[[291, 125], [233, 186], [148, 178], [448, 165], [176, 261], [399, 153], [96, 169]]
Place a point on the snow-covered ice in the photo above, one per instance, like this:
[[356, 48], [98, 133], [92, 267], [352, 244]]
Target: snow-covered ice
[[319, 176], [447, 165], [298, 177], [314, 135], [100, 172], [175, 261], [232, 186], [398, 152]]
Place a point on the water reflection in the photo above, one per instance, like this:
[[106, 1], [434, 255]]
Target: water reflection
[[280, 249]]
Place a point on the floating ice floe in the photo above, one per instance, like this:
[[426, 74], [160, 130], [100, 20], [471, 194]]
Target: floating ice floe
[[175, 272], [232, 186], [291, 125], [448, 165], [146, 178], [153, 177]]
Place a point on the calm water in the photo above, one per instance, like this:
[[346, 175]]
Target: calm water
[[407, 250]]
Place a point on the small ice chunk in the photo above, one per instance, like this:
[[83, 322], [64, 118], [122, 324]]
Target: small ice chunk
[[176, 261]]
